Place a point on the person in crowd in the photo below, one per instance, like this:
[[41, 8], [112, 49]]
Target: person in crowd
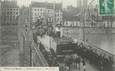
[[68, 61], [79, 60], [74, 57], [84, 65], [61, 66]]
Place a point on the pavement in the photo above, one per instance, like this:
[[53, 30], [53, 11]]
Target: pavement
[[38, 58], [88, 68], [9, 56]]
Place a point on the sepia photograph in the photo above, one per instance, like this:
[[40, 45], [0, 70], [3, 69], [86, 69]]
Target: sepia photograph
[[72, 35]]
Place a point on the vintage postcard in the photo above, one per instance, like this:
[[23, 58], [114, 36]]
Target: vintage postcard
[[57, 35]]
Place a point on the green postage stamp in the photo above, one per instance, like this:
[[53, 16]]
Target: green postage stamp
[[106, 7]]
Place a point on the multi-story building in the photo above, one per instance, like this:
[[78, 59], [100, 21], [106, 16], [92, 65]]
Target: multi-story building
[[59, 17], [10, 13], [9, 21], [81, 3], [50, 12], [38, 10]]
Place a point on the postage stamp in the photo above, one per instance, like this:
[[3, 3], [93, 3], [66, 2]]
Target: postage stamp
[[106, 7]]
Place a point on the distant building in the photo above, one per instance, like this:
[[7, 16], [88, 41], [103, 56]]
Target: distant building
[[9, 22], [81, 3], [49, 11], [10, 13], [38, 10], [70, 17]]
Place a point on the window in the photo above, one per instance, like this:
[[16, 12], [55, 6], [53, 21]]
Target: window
[[40, 9], [34, 9], [16, 9], [10, 9], [10, 12], [17, 13], [7, 12]]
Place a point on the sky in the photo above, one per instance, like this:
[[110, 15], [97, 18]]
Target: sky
[[64, 2], [67, 2]]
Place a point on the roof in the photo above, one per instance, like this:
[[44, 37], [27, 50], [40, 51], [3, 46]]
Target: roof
[[7, 4], [13, 4], [47, 5], [38, 4]]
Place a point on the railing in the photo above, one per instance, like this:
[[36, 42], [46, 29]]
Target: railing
[[37, 57], [102, 52], [99, 49]]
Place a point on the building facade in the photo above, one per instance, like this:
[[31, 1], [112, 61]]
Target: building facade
[[9, 22], [82, 3], [51, 13]]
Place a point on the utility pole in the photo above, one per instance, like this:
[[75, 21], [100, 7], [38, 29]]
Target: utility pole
[[54, 21], [84, 10], [84, 20]]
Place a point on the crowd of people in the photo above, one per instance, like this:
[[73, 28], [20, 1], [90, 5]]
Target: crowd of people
[[66, 63], [83, 54], [49, 56], [99, 60], [73, 62]]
